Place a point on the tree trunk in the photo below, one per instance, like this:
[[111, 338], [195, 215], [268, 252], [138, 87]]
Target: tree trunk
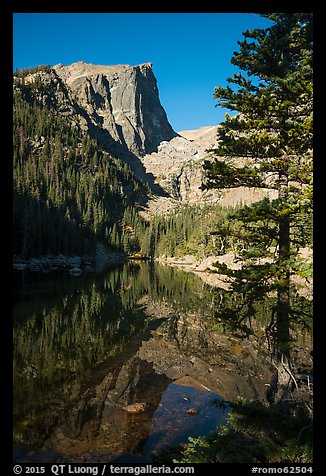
[[282, 382]]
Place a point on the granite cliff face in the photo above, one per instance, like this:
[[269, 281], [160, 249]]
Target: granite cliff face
[[177, 167], [120, 105]]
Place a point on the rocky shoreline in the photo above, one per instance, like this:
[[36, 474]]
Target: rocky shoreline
[[205, 269], [74, 265]]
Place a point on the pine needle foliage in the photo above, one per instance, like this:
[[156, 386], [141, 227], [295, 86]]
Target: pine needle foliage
[[267, 144]]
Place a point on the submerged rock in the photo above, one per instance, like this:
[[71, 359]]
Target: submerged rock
[[75, 271], [136, 407], [192, 411]]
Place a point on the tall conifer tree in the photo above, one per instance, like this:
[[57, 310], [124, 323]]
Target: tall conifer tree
[[268, 144]]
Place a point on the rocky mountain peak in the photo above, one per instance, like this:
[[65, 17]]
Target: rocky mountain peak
[[82, 69], [120, 105]]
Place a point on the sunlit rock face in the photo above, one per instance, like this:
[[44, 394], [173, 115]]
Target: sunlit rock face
[[121, 101], [119, 106]]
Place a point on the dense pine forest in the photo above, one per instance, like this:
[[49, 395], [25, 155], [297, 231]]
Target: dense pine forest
[[68, 193]]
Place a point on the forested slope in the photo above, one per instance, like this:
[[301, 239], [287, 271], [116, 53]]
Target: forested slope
[[69, 194]]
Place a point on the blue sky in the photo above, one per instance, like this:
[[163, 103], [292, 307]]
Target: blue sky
[[190, 52]]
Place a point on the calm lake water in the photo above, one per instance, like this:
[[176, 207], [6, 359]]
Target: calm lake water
[[80, 363]]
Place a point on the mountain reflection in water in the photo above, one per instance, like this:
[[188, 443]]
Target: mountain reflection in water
[[88, 347]]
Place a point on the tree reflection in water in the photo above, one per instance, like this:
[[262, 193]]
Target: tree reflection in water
[[76, 359]]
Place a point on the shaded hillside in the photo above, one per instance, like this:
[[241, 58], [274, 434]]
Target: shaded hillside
[[68, 192]]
